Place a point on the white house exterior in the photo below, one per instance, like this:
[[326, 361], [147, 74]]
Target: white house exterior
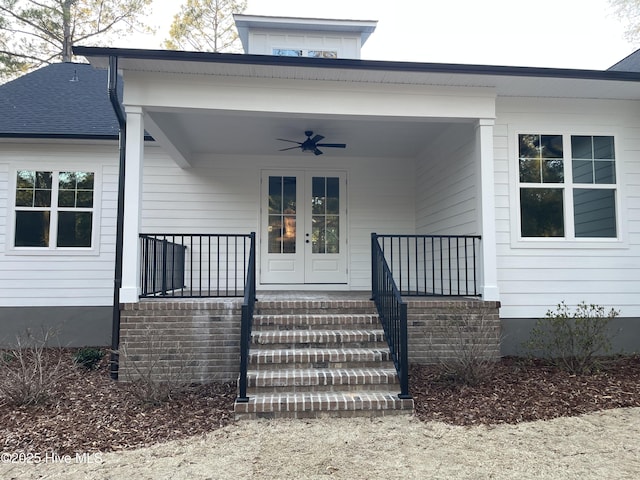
[[430, 150]]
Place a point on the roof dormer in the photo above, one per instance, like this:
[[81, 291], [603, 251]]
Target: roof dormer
[[308, 37]]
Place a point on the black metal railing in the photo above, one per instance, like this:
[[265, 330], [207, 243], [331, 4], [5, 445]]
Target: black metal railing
[[162, 265], [194, 265], [248, 306], [393, 314], [430, 265]]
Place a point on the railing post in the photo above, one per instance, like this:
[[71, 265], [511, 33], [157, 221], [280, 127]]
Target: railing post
[[164, 266], [374, 266], [244, 355], [404, 354], [246, 320]]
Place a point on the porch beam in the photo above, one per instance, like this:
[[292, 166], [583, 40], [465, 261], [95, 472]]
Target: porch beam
[[487, 222], [131, 288], [180, 153]]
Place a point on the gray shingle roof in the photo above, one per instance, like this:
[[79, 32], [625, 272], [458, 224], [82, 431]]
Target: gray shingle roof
[[628, 64], [63, 99]]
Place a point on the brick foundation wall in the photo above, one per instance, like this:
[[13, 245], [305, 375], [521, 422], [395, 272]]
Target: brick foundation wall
[[200, 339], [197, 340], [432, 328]]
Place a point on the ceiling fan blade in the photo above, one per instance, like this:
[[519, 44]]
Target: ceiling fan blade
[[332, 145], [317, 152], [290, 141], [290, 148], [317, 138]]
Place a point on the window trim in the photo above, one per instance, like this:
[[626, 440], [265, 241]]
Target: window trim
[[11, 249], [569, 240]]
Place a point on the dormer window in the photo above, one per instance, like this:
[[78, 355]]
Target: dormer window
[[291, 52], [303, 37]]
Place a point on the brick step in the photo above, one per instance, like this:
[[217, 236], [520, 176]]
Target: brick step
[[307, 307], [314, 321], [294, 339], [308, 358], [320, 380], [317, 405]]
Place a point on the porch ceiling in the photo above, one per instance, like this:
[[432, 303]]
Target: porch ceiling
[[203, 132]]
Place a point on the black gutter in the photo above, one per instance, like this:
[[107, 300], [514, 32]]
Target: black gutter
[[68, 136], [59, 136], [352, 64], [117, 282]]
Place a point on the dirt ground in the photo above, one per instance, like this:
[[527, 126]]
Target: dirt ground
[[601, 445]]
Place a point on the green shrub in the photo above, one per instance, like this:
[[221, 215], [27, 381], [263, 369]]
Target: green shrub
[[572, 340], [88, 357]]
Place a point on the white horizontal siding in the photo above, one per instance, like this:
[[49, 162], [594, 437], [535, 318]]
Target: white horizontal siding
[[60, 279], [222, 195], [446, 184], [533, 279]]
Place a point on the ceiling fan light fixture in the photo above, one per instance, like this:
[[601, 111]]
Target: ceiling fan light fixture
[[311, 144]]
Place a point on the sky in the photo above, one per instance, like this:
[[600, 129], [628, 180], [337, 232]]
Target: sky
[[582, 34]]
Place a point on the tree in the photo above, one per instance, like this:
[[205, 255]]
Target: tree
[[206, 26], [629, 12], [38, 32]]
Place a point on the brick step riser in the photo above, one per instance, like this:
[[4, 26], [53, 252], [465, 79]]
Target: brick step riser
[[370, 387], [263, 367], [315, 323], [301, 405], [289, 327], [306, 346], [321, 414], [314, 311], [320, 381]]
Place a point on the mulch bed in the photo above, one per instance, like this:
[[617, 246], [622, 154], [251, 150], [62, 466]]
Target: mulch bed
[[525, 390], [91, 413]]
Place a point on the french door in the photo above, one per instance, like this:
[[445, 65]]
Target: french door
[[303, 237]]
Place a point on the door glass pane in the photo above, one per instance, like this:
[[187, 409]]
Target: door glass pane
[[289, 234], [318, 190], [332, 234], [318, 234], [289, 195], [325, 206], [275, 195], [333, 196], [275, 234], [282, 215]]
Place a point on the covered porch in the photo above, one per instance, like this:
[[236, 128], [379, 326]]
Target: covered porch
[[221, 206], [418, 161]]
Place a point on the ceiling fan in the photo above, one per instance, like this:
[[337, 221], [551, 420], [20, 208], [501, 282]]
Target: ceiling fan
[[311, 144]]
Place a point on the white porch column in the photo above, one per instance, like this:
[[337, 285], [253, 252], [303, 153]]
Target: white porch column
[[484, 147], [130, 290]]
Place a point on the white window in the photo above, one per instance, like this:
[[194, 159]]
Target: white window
[[54, 210], [294, 52], [567, 186]]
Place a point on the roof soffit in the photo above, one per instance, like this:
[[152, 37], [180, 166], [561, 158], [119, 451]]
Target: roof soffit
[[518, 83]]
